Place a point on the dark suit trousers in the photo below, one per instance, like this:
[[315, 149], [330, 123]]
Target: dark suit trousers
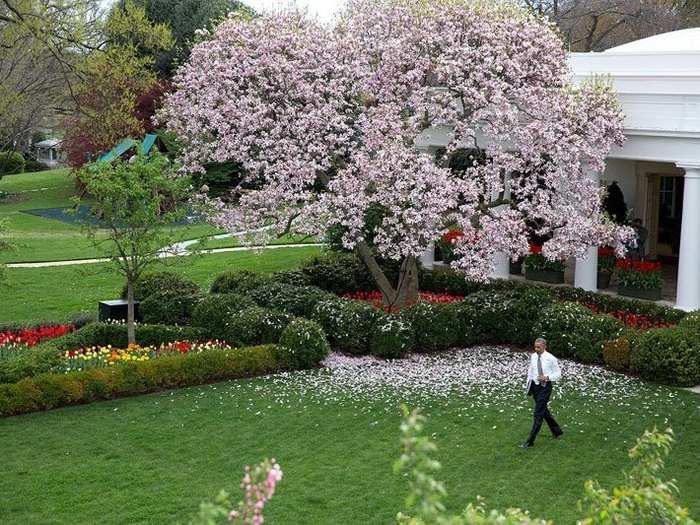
[[541, 395]]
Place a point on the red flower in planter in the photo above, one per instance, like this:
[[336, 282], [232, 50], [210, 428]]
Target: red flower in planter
[[452, 236], [638, 266], [536, 249]]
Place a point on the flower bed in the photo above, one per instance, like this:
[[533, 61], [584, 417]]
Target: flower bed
[[375, 298], [633, 320], [103, 356], [32, 336]]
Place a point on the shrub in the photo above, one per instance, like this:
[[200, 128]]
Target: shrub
[[11, 162], [115, 334], [215, 311], [392, 337], [160, 282], [574, 331], [617, 352], [527, 305], [467, 329], [306, 342], [47, 391], [338, 273], [33, 166], [433, 325], [484, 317], [81, 319], [294, 277], [667, 355], [349, 324], [256, 325], [41, 358], [691, 323], [241, 282], [168, 307], [447, 282], [295, 300], [609, 303]]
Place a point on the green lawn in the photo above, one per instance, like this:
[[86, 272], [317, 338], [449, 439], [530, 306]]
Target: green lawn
[[152, 459], [57, 292], [42, 239]]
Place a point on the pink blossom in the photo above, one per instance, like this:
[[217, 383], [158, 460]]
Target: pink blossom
[[325, 122]]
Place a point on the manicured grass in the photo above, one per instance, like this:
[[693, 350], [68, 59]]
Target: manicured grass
[[231, 242], [57, 292], [43, 239], [153, 459]]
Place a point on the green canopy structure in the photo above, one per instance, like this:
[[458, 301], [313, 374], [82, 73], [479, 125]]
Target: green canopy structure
[[127, 145]]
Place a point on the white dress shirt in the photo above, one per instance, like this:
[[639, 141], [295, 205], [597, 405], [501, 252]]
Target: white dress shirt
[[550, 368]]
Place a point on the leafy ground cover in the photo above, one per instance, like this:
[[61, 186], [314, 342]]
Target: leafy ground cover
[[334, 431], [57, 292]]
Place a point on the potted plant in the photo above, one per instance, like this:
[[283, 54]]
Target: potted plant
[[640, 279], [539, 268], [445, 245], [606, 266]]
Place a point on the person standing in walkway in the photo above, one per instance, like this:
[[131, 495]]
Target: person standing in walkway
[[543, 371]]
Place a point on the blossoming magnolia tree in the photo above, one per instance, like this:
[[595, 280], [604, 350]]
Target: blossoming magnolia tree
[[325, 122]]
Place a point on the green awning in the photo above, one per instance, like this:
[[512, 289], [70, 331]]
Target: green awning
[[148, 142], [118, 150]]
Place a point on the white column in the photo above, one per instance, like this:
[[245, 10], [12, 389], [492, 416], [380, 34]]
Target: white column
[[586, 270], [428, 257], [688, 291], [501, 266]]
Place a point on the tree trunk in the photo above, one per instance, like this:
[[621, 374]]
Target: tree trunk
[[130, 324], [406, 291]]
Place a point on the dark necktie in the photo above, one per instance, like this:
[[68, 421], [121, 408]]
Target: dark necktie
[[539, 368]]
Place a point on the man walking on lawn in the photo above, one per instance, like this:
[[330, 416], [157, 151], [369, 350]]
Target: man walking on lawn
[[543, 371]]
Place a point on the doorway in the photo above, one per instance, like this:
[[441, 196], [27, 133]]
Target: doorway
[[670, 212]]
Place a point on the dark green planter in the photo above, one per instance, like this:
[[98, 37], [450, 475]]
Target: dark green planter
[[545, 276], [649, 295], [516, 268], [603, 280]]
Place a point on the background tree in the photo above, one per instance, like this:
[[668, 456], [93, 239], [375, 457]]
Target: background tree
[[614, 203], [185, 18], [596, 25], [41, 45], [325, 123], [135, 203], [112, 81]]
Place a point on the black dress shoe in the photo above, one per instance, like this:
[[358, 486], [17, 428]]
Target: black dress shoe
[[527, 445], [557, 436]]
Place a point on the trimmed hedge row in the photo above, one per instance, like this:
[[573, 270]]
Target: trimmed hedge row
[[343, 273], [47, 391]]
